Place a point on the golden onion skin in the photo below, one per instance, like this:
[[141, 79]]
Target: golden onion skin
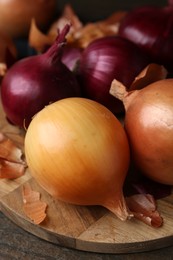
[[78, 151], [149, 126]]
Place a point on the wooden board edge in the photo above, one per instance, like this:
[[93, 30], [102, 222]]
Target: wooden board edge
[[124, 248], [37, 230], [82, 245]]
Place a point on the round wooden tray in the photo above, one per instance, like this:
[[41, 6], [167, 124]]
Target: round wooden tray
[[93, 229]]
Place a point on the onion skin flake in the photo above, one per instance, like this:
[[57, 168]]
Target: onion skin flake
[[33, 207]]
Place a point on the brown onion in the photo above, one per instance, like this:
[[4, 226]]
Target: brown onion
[[78, 152], [149, 126], [16, 15]]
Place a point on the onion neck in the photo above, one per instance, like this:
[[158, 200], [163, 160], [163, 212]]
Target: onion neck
[[54, 53], [117, 205], [119, 91]]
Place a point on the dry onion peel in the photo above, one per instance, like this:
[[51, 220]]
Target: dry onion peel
[[91, 31], [9, 150], [40, 41], [32, 206], [12, 164], [80, 34], [151, 73], [3, 69], [78, 152], [11, 170], [144, 208], [68, 15], [37, 39]]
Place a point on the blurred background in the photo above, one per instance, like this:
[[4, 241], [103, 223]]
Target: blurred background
[[16, 18], [96, 9]]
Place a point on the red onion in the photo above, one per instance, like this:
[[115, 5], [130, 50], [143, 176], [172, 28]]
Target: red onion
[[151, 28], [34, 82], [105, 59], [71, 57]]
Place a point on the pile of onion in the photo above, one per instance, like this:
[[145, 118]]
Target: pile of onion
[[105, 59], [16, 15], [149, 127], [78, 151]]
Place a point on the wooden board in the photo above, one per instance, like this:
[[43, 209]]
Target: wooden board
[[92, 229]]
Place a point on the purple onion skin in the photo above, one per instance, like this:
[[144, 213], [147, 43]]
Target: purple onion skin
[[71, 57], [34, 82], [151, 28], [106, 59]]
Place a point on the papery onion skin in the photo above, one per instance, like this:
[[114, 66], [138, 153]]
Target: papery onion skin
[[149, 126], [151, 28], [78, 152], [16, 15], [105, 59], [34, 82]]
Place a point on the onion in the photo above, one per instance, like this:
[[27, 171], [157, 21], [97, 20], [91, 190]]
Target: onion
[[105, 59], [149, 126], [16, 15], [41, 42], [151, 28], [77, 150], [34, 82], [71, 57]]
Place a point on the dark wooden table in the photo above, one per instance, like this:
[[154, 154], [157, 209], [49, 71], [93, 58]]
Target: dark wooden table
[[16, 243]]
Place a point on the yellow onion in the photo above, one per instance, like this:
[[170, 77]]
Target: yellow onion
[[149, 127], [16, 15], [77, 150]]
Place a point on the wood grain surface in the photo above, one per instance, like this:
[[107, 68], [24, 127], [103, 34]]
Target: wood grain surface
[[92, 229], [16, 243]]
